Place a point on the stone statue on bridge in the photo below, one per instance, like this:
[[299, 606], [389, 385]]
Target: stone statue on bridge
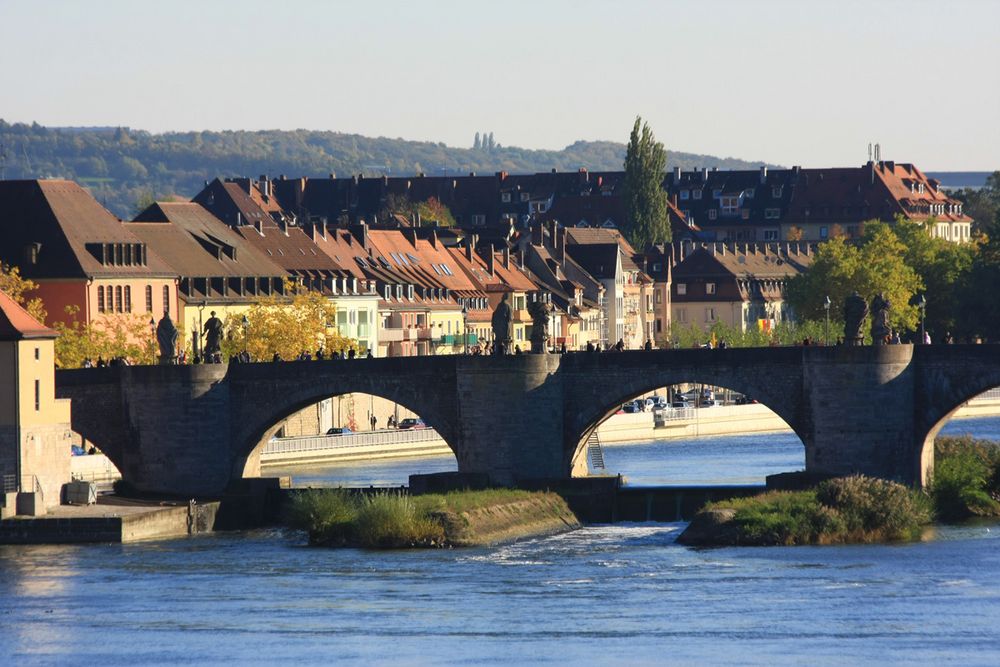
[[166, 336], [213, 338], [539, 311], [855, 312], [881, 331], [501, 321]]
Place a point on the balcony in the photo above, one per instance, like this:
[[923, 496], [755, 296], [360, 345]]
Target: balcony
[[388, 335], [457, 339]]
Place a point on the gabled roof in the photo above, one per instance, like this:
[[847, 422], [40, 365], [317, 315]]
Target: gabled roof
[[17, 324], [196, 243], [69, 229], [598, 259]]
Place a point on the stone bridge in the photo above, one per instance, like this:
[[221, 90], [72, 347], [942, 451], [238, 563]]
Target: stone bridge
[[191, 430]]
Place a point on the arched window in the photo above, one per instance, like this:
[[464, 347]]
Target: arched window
[[100, 298], [166, 299], [149, 298], [118, 298], [128, 299]]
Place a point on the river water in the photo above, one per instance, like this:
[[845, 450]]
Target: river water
[[621, 594]]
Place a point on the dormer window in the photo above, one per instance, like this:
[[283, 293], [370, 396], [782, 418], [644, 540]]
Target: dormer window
[[685, 194], [525, 196], [776, 191], [696, 194], [730, 204], [717, 192], [478, 219], [712, 214], [505, 197]]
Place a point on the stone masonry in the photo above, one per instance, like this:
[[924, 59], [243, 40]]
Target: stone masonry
[[192, 430]]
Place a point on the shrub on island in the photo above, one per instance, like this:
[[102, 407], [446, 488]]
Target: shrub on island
[[837, 511], [966, 478]]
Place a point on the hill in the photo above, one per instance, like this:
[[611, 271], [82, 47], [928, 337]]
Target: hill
[[123, 167]]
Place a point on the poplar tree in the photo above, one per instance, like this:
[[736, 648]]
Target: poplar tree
[[647, 218], [477, 144]]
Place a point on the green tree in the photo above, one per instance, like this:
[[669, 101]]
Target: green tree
[[647, 218], [122, 335], [839, 268]]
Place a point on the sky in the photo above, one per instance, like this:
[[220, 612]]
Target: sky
[[792, 82]]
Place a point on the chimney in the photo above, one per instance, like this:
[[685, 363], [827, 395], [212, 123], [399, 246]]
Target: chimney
[[677, 175], [434, 238], [561, 245], [763, 175], [259, 226], [501, 176], [470, 243], [704, 174], [363, 230], [536, 234], [239, 219], [490, 261], [506, 257], [583, 175]]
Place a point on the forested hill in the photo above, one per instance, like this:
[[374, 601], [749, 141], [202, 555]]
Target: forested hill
[[123, 167]]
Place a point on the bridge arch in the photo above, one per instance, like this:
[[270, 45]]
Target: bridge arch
[[598, 384], [265, 395], [951, 375]]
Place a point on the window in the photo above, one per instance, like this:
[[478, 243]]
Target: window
[[478, 219], [658, 296], [118, 298], [38, 354], [149, 298], [776, 191], [505, 197], [712, 214], [166, 299], [696, 194], [730, 205], [709, 288], [682, 315], [38, 395], [100, 299], [128, 299], [770, 234], [659, 325], [823, 232], [685, 194], [749, 193], [772, 213], [525, 196], [710, 314], [717, 192], [682, 288]]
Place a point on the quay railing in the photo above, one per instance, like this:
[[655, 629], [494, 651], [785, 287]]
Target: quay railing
[[988, 395], [673, 414], [363, 439]]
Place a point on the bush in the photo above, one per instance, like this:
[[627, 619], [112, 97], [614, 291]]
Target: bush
[[876, 507], [327, 514], [391, 520], [966, 478]]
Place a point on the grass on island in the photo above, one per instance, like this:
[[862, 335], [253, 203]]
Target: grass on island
[[849, 509], [388, 519], [965, 484]]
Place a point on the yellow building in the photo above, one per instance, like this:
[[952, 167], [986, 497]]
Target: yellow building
[[35, 436]]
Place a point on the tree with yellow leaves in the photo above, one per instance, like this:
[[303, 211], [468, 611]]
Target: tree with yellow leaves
[[276, 326], [17, 287], [127, 336]]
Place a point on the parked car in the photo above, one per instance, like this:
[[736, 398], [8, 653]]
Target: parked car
[[339, 430], [631, 408], [410, 422], [681, 403]]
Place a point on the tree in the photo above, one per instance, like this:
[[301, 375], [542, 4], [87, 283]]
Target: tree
[[432, 210], [839, 268], [795, 233], [274, 325], [477, 144], [17, 287], [491, 143], [123, 335], [647, 219]]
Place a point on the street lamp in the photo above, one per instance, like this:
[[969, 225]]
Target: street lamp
[[465, 326], [246, 334], [826, 305], [922, 305]]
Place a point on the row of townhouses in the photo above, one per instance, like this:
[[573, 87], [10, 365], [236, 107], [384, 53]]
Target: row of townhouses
[[402, 286]]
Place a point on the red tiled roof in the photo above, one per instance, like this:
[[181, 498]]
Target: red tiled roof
[[17, 324]]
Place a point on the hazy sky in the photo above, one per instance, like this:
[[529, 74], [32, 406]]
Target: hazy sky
[[790, 82]]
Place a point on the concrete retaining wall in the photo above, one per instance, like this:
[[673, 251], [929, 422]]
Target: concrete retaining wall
[[721, 420]]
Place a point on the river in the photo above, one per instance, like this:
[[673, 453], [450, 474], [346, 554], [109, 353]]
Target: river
[[621, 594]]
